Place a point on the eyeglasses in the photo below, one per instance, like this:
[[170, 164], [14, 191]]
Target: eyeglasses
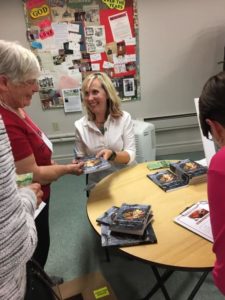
[[31, 82]]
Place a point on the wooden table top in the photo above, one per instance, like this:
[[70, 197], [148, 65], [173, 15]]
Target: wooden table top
[[177, 247]]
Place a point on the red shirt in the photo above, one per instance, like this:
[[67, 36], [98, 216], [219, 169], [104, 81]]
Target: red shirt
[[25, 138]]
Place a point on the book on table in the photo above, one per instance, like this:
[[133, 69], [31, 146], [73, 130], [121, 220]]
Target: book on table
[[158, 164], [167, 180], [196, 218], [194, 171], [132, 219], [93, 164], [179, 174], [108, 216], [132, 224], [110, 238]]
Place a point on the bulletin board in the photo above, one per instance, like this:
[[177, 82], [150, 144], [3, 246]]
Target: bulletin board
[[73, 38]]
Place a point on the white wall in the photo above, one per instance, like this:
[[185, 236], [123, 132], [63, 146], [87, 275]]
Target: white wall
[[180, 45]]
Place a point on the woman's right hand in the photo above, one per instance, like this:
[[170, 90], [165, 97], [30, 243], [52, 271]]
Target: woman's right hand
[[76, 167], [36, 188]]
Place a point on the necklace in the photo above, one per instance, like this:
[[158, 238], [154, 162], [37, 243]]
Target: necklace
[[102, 129], [100, 126]]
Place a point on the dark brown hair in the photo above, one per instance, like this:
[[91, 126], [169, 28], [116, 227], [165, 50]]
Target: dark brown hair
[[212, 102]]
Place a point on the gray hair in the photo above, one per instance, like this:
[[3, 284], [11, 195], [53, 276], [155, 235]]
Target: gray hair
[[18, 63]]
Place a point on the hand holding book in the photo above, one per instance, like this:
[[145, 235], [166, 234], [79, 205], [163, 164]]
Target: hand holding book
[[93, 164]]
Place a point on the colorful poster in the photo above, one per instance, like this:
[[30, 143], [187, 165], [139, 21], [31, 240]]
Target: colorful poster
[[74, 38]]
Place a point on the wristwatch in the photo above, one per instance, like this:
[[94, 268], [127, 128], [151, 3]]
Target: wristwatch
[[112, 156]]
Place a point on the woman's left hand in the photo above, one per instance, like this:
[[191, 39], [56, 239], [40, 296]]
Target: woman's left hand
[[105, 153]]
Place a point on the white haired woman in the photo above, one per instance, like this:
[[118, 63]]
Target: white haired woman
[[32, 150]]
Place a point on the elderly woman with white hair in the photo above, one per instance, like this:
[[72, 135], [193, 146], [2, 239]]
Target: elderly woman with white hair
[[32, 150]]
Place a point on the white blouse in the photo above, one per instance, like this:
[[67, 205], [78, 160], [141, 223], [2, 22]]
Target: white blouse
[[118, 136]]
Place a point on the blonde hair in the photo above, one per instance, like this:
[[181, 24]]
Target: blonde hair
[[18, 63], [113, 101]]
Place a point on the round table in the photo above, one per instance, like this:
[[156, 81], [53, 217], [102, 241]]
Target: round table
[[177, 248]]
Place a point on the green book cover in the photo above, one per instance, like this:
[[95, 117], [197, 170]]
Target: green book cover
[[158, 164]]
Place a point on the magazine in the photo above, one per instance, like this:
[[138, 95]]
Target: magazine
[[167, 180], [93, 164], [194, 171], [131, 219], [109, 238], [196, 218]]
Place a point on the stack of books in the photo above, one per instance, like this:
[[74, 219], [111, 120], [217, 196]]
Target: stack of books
[[180, 174], [128, 225]]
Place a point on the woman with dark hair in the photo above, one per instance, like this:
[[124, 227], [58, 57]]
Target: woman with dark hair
[[212, 119]]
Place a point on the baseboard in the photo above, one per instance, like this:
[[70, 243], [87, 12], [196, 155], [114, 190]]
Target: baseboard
[[179, 148]]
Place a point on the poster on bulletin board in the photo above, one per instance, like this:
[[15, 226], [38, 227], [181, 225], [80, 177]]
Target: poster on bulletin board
[[73, 38]]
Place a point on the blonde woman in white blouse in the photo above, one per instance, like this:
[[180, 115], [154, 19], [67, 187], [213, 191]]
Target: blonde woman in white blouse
[[106, 131]]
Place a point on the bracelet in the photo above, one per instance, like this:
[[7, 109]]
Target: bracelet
[[112, 156]]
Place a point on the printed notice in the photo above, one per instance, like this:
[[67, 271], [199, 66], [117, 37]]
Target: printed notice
[[120, 27], [71, 100]]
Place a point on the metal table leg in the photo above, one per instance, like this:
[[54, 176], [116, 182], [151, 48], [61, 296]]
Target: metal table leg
[[198, 285], [159, 284], [162, 279]]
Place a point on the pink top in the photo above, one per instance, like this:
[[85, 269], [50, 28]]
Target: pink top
[[216, 198]]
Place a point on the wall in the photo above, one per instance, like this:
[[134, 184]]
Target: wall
[[180, 45]]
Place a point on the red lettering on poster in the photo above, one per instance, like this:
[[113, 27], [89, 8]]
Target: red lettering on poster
[[34, 3], [46, 29]]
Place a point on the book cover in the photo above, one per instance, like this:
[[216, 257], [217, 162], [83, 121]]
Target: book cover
[[196, 218], [194, 171], [109, 238], [108, 216], [167, 180], [131, 218], [93, 164]]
